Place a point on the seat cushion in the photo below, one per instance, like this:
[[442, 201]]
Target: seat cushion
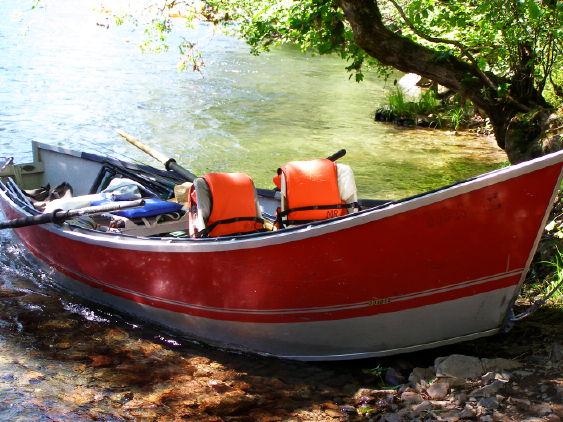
[[153, 206]]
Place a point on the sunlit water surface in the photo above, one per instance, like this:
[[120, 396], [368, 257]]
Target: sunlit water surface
[[67, 80]]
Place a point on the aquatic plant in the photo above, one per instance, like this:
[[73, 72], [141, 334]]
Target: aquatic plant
[[428, 102], [425, 110], [456, 115], [399, 104]]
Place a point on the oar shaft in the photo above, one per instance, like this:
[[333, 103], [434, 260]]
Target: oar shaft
[[172, 165], [337, 155], [100, 209], [145, 148], [28, 221], [169, 163], [6, 163], [60, 216]]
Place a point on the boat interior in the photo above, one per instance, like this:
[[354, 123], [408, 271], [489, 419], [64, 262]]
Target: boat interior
[[63, 179]]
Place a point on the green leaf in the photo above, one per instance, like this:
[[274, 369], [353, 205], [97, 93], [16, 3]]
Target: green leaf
[[533, 9], [502, 89]]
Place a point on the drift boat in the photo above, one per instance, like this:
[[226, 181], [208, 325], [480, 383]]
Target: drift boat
[[388, 277]]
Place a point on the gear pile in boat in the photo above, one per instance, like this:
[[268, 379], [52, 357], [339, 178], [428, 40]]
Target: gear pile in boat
[[215, 204]]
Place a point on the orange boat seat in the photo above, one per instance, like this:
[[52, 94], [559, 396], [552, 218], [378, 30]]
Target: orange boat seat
[[223, 204]]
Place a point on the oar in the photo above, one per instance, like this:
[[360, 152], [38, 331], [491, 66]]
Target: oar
[[338, 154], [169, 163], [60, 216]]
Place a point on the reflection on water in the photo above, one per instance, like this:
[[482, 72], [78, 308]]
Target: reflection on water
[[68, 81]]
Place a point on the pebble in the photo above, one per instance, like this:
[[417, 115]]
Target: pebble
[[451, 416], [488, 377], [503, 376], [489, 403], [424, 406], [524, 403], [334, 413], [438, 391], [346, 410], [393, 377], [444, 404], [421, 386], [421, 374], [460, 398], [330, 405], [410, 397], [391, 417], [467, 413], [544, 411], [488, 390], [499, 364]]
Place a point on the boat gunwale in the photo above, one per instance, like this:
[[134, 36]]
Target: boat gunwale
[[291, 234]]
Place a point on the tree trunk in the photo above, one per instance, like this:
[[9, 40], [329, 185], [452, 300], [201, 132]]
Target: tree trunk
[[519, 137]]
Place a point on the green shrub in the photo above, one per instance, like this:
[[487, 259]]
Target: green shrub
[[455, 111]]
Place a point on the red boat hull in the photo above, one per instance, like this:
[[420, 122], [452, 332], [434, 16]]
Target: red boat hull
[[431, 270]]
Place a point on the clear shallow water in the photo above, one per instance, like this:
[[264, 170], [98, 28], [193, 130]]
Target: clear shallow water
[[68, 81]]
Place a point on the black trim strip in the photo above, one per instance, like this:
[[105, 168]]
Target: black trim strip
[[205, 232]]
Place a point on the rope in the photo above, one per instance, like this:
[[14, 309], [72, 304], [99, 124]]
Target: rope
[[534, 306]]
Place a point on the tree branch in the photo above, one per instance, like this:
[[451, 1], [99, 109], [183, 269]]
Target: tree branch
[[461, 47], [444, 41]]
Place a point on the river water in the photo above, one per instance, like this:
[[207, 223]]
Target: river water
[[68, 80]]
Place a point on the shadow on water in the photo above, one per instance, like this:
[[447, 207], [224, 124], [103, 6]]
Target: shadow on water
[[62, 358], [412, 178], [65, 359]]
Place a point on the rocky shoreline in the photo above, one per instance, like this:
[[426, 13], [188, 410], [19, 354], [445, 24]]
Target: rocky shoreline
[[460, 387]]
